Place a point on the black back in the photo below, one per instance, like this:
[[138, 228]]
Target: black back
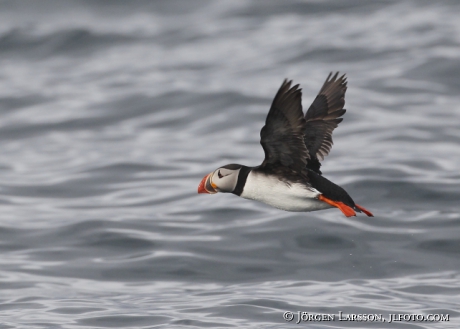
[[329, 189]]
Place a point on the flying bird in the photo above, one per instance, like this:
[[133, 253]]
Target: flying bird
[[290, 178]]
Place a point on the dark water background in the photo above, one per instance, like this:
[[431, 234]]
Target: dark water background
[[112, 111]]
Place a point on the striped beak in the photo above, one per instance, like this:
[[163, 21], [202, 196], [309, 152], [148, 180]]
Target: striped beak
[[206, 186]]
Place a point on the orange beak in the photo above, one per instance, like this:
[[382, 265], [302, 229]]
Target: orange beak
[[206, 186]]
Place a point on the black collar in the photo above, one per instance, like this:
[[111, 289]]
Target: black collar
[[242, 177]]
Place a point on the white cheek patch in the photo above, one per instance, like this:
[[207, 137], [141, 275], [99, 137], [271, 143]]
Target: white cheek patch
[[228, 181]]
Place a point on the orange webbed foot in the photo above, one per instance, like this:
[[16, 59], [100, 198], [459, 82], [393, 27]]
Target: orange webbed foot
[[364, 210], [347, 211]]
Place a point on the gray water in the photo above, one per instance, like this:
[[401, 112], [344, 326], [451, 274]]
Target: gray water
[[112, 112]]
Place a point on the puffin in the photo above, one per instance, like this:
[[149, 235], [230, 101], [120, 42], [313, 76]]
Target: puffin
[[294, 144]]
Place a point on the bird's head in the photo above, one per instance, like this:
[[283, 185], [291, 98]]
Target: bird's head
[[223, 179]]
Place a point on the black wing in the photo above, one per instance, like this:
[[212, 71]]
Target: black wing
[[282, 137], [323, 117]]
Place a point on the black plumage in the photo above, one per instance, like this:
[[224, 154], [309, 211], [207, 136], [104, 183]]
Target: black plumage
[[330, 190], [295, 141], [282, 137], [322, 118], [294, 144]]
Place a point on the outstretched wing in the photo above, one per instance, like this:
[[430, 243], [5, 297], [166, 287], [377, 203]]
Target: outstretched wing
[[282, 137], [323, 117]]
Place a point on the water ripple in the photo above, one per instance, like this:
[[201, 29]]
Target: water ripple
[[111, 114]]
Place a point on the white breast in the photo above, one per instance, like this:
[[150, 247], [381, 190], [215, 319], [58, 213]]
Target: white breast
[[278, 194]]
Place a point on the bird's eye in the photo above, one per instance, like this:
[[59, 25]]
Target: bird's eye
[[219, 174]]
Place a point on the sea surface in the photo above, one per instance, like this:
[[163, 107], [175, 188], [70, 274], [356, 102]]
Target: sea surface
[[111, 112]]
